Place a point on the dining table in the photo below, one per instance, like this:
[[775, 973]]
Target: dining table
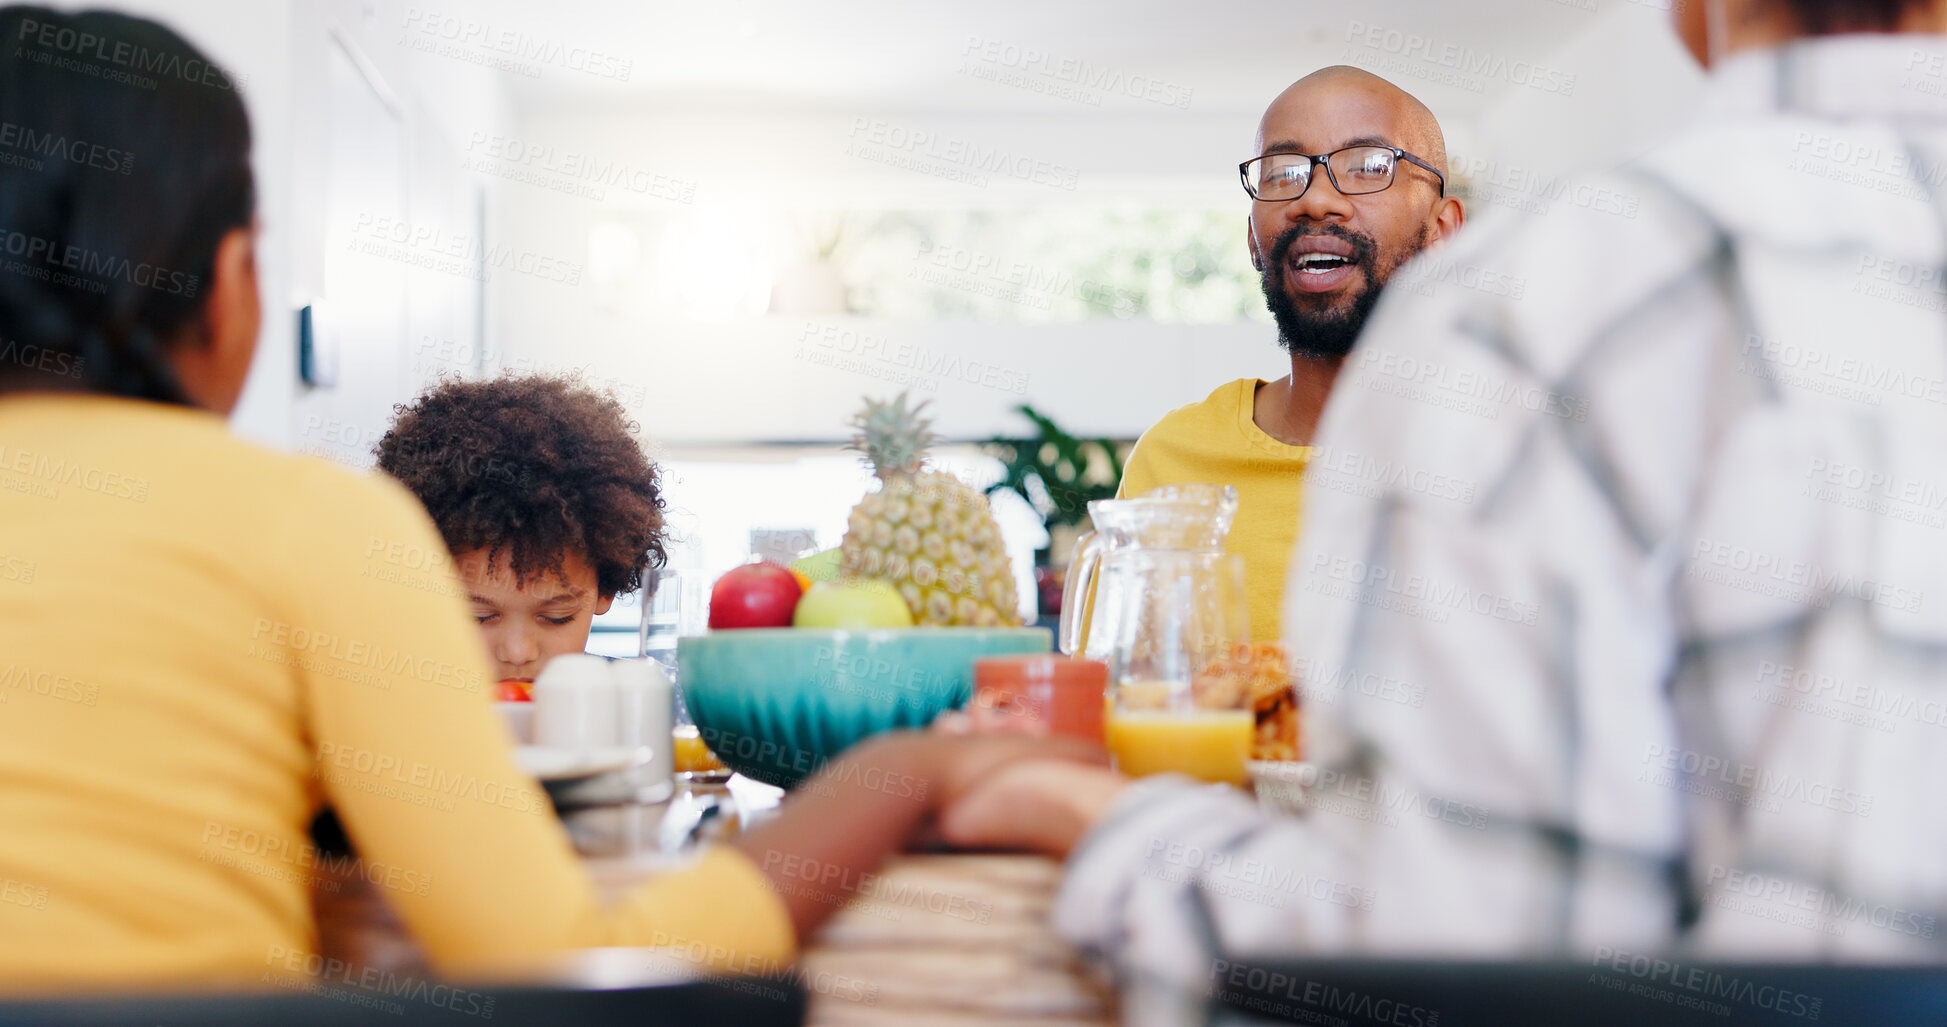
[[936, 939]]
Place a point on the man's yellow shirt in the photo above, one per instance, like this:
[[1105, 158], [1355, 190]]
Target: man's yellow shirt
[[1216, 441]]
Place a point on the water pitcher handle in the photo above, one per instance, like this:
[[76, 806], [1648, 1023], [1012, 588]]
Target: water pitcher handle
[[1079, 591]]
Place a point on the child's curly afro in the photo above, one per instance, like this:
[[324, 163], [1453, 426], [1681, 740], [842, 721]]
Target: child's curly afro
[[536, 466]]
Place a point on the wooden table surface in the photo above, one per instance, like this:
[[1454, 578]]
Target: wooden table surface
[[949, 939], [934, 940]]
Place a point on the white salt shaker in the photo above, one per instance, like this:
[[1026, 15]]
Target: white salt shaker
[[575, 704], [646, 716]]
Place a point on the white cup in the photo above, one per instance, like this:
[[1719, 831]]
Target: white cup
[[646, 716], [585, 702], [575, 704]]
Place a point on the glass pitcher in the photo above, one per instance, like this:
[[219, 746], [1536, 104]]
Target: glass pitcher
[[1172, 519], [1179, 676]]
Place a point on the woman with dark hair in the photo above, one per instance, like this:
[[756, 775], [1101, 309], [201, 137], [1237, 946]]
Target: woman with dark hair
[[125, 193], [277, 642], [1710, 28]]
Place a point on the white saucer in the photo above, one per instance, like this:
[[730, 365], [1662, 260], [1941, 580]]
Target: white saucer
[[552, 764]]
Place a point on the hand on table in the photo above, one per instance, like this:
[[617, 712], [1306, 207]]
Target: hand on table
[[965, 763], [874, 800], [1041, 805]]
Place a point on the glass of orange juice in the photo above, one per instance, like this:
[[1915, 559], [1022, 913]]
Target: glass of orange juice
[[1178, 705]]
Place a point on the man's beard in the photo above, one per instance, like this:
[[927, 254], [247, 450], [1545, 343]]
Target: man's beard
[[1327, 333]]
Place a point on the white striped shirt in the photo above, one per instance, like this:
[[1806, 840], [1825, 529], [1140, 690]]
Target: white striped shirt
[[1621, 602]]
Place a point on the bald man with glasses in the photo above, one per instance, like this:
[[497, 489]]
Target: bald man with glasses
[[1349, 184]]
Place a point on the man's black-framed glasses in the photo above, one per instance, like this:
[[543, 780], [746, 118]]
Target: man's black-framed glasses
[[1354, 171]]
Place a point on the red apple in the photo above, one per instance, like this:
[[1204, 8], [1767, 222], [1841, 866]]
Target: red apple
[[756, 595]]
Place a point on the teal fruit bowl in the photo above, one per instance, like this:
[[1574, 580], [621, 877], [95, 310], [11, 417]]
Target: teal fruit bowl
[[776, 704]]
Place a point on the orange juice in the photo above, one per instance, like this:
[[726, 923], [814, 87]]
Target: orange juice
[[1208, 744], [692, 756]]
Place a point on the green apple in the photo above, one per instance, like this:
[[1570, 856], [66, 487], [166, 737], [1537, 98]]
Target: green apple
[[823, 566], [852, 604]]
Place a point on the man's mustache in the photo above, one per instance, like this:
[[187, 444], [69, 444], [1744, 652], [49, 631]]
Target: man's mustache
[[1363, 247]]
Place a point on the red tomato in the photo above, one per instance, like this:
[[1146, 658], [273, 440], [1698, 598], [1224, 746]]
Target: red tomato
[[512, 690], [756, 595]]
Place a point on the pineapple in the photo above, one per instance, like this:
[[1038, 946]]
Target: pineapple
[[925, 532]]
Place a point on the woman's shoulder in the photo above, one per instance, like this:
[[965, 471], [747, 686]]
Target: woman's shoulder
[[191, 464]]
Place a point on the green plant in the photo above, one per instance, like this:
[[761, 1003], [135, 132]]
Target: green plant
[[1057, 473]]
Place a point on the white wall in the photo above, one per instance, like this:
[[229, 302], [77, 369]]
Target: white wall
[[281, 49], [256, 40], [1635, 84], [746, 381], [784, 377]]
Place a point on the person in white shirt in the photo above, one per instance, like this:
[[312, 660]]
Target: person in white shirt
[[1674, 681]]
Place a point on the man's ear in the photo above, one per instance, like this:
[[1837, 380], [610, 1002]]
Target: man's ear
[[1250, 232], [602, 603], [1448, 215]]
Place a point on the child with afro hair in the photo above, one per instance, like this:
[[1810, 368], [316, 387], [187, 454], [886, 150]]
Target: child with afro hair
[[546, 501]]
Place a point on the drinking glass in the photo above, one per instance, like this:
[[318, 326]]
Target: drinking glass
[[678, 606], [1179, 668]]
